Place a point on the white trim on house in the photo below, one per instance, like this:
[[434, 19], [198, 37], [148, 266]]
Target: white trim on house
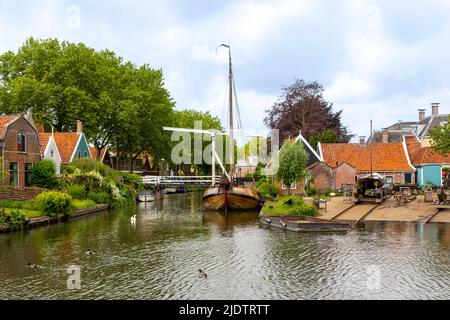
[[405, 150], [306, 143], [57, 156], [319, 146]]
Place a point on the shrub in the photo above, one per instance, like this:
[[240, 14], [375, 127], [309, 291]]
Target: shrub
[[16, 219], [266, 188], [98, 197], [310, 191], [17, 204], [76, 191], [53, 203], [43, 175], [303, 209], [88, 165], [12, 216], [134, 180], [83, 204]]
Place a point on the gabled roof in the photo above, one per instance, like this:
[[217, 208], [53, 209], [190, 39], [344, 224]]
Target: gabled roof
[[424, 155], [44, 138], [431, 122], [385, 156], [67, 143], [313, 155], [94, 153], [5, 121]]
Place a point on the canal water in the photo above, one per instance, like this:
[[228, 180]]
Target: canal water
[[159, 256]]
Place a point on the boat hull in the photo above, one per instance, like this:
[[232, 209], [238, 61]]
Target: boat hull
[[304, 224], [233, 198]]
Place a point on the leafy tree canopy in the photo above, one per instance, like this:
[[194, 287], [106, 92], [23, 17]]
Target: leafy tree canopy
[[119, 103], [441, 138], [302, 107], [326, 136]]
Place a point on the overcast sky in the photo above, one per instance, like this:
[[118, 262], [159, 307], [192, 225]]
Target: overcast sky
[[379, 60]]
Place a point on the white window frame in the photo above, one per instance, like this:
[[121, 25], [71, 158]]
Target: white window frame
[[293, 186]]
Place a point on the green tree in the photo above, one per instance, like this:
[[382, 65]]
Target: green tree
[[326, 136], [293, 160], [186, 119], [147, 108], [43, 175], [118, 102], [303, 107], [441, 138]]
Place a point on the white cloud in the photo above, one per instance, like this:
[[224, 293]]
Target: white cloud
[[379, 72]]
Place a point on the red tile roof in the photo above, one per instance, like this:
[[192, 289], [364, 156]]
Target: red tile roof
[[422, 155], [94, 152], [66, 143], [4, 120], [43, 140], [385, 156]]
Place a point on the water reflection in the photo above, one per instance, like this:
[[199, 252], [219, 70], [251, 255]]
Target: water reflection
[[159, 256]]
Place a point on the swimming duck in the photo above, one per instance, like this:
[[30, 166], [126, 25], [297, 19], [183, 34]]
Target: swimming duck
[[202, 274], [89, 252], [32, 265], [133, 219]]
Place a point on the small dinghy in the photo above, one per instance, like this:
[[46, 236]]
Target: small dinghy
[[146, 197], [304, 224]]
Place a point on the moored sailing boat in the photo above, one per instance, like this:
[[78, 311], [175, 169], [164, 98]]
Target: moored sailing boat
[[227, 196]]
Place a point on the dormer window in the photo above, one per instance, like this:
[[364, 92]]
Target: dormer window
[[21, 142], [52, 154]]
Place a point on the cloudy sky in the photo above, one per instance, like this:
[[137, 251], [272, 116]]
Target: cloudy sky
[[379, 60]]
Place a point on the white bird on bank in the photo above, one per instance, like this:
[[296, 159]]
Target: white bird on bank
[[89, 252]]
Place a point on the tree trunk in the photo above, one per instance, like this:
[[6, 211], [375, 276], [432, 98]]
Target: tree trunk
[[131, 165]]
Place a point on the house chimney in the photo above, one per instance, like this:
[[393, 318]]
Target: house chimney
[[421, 114], [384, 136], [79, 127], [435, 108], [362, 141]]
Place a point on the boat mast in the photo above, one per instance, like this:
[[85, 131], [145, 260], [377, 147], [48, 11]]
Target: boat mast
[[230, 115]]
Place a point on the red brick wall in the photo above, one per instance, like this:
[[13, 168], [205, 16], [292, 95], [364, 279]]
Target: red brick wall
[[345, 174], [19, 193], [10, 153], [299, 190], [399, 177], [323, 177]]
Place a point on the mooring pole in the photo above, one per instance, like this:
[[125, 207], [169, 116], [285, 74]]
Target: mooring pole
[[213, 159]]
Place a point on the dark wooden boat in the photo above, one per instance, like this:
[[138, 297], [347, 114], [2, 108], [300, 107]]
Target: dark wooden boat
[[231, 198], [304, 224]]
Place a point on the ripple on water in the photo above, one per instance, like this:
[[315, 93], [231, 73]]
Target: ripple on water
[[159, 258]]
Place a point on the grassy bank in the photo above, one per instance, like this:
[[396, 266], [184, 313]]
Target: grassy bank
[[289, 205]]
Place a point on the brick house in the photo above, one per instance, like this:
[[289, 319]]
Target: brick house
[[350, 161], [19, 148]]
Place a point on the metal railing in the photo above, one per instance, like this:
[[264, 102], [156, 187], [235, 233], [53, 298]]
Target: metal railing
[[179, 180]]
